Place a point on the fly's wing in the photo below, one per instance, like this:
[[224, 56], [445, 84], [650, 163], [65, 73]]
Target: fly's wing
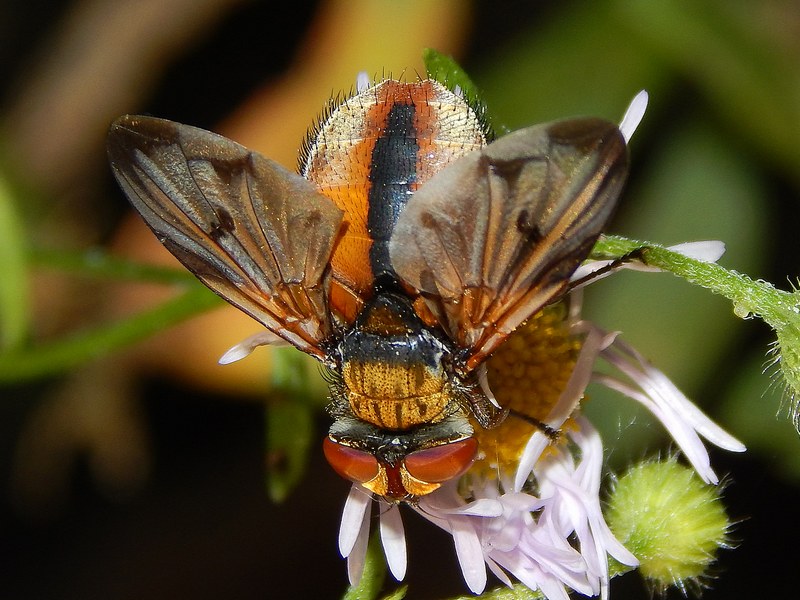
[[495, 236], [255, 233]]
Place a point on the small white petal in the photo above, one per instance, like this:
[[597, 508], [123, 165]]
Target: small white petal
[[480, 508], [393, 539], [633, 116], [470, 554], [681, 405], [680, 417], [578, 380], [583, 272], [552, 588], [707, 251], [246, 346], [354, 532], [498, 571], [358, 555], [533, 450], [354, 515], [362, 81]]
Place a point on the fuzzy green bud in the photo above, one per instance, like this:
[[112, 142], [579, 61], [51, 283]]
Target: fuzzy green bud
[[670, 520]]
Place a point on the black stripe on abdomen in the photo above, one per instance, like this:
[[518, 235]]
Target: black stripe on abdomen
[[393, 171]]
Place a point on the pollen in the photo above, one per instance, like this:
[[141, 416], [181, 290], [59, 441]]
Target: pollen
[[527, 375]]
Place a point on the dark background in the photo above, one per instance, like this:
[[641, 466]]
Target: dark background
[[202, 526]]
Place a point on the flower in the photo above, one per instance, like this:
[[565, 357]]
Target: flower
[[531, 536], [530, 507]]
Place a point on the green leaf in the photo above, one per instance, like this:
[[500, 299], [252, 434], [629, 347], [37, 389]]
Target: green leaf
[[448, 72], [290, 419], [65, 354], [14, 294], [99, 264]]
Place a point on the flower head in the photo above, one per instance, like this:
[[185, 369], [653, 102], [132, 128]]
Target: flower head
[[530, 507]]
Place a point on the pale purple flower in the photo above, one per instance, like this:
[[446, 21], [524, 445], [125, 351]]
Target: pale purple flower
[[525, 525], [531, 537]]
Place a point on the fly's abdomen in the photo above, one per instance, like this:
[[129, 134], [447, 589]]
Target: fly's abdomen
[[396, 396], [392, 367]]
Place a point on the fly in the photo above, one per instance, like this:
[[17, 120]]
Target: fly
[[407, 249]]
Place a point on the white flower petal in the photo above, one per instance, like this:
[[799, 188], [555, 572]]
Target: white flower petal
[[246, 346], [483, 380], [354, 515], [591, 267], [683, 406], [672, 396], [498, 571], [593, 343], [573, 392], [469, 553], [709, 251], [358, 554], [633, 115], [354, 532], [591, 271], [552, 588], [394, 541], [533, 450], [682, 419], [484, 507], [362, 81], [679, 428]]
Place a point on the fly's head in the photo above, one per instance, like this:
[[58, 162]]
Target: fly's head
[[401, 466]]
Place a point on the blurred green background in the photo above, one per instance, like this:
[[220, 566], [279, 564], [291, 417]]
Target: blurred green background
[[124, 479]]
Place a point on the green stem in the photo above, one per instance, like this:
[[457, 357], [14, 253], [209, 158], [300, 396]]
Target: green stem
[[749, 296], [97, 263]]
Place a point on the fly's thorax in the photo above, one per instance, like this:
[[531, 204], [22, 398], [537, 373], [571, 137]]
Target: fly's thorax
[[394, 371], [369, 154]]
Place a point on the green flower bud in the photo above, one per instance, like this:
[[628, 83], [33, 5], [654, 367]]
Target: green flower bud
[[670, 520]]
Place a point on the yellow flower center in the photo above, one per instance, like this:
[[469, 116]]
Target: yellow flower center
[[527, 375]]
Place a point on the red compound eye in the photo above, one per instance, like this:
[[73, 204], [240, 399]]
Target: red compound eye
[[442, 463], [352, 464]]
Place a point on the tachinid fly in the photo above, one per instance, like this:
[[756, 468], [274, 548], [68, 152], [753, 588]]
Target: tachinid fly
[[404, 253]]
